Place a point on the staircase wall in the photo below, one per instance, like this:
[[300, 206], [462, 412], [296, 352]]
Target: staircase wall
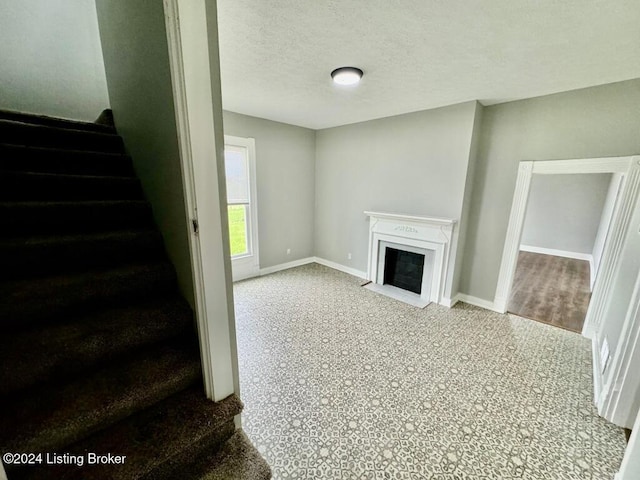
[[51, 59], [134, 45]]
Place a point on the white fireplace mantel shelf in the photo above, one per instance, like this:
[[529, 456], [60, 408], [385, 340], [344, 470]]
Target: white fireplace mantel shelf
[[411, 218]]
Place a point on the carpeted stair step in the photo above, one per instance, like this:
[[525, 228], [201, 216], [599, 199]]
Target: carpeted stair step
[[22, 218], [52, 160], [57, 122], [25, 257], [48, 419], [25, 302], [23, 186], [56, 352], [238, 459], [18, 133], [155, 441]]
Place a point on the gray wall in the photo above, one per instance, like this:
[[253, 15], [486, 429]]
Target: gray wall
[[285, 164], [414, 163], [564, 211], [134, 44], [594, 122], [463, 225], [51, 59]]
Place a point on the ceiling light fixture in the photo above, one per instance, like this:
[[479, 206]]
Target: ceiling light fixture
[[346, 75]]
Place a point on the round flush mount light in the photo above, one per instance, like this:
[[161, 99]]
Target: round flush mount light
[[346, 75]]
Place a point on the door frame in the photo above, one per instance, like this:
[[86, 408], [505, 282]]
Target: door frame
[[629, 168], [194, 63]]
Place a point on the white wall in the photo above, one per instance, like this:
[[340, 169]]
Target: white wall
[[413, 164], [595, 122], [51, 59], [564, 211], [285, 167]]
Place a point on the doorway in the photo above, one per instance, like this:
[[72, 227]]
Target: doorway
[[565, 227], [620, 224]]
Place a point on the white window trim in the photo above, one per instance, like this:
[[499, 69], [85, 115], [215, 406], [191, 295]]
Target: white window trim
[[248, 265]]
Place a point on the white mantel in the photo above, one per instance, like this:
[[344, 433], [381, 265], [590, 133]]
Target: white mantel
[[429, 233]]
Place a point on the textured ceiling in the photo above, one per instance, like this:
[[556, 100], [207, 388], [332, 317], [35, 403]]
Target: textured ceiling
[[276, 55]]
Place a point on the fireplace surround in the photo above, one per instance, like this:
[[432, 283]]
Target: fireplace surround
[[411, 234]]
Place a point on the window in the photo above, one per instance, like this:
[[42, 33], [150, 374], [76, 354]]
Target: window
[[239, 159]]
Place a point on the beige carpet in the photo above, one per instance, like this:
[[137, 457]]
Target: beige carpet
[[342, 383]]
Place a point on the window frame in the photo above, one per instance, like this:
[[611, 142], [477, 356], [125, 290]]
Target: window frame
[[247, 265]]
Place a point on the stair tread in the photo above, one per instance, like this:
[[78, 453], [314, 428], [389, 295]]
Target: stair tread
[[21, 133], [36, 119], [48, 159], [153, 439], [54, 129], [26, 256], [87, 340], [238, 458], [34, 186], [57, 295], [48, 419], [41, 240], [71, 176], [49, 217]]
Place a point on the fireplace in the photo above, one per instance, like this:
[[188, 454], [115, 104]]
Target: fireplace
[[408, 256]]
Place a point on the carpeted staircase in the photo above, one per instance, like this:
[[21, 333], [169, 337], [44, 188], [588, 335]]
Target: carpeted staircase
[[98, 352]]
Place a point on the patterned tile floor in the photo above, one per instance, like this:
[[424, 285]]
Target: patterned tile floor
[[342, 383]]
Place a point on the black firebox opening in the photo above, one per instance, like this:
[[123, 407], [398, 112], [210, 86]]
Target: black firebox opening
[[403, 269]]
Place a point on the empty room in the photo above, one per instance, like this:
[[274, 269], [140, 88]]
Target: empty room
[[320, 239]]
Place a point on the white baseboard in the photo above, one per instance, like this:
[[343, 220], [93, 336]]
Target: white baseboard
[[286, 266], [450, 302], [478, 302], [557, 253], [305, 261], [342, 268]]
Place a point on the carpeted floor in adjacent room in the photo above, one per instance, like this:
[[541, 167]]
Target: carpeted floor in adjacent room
[[342, 383]]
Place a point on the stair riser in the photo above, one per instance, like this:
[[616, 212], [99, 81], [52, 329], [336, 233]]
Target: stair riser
[[27, 260], [34, 187], [27, 159], [24, 219], [59, 297], [41, 136], [70, 350]]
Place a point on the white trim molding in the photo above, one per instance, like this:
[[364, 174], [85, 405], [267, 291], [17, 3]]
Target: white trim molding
[[620, 224], [340, 267], [286, 266], [609, 265], [200, 141], [514, 233], [477, 302], [616, 398], [247, 266], [557, 253]]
